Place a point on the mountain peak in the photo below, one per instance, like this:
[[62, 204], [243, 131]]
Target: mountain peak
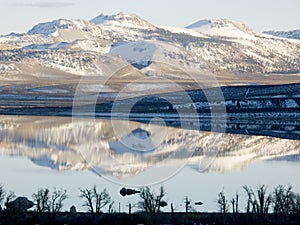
[[47, 28], [222, 27], [122, 19]]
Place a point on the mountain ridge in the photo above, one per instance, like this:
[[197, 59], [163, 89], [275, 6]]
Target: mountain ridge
[[222, 27], [72, 46], [292, 34]]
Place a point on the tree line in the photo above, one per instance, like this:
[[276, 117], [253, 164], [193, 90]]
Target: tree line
[[281, 202], [282, 199]]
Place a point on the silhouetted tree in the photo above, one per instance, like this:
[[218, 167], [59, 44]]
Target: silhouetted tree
[[57, 198], [95, 200], [88, 195], [249, 193], [41, 200], [235, 203], [47, 202], [284, 202], [111, 208], [259, 202], [150, 200], [188, 206], [102, 199], [222, 202], [281, 198]]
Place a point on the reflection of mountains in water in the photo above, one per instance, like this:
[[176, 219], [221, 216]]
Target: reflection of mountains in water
[[270, 110], [120, 149]]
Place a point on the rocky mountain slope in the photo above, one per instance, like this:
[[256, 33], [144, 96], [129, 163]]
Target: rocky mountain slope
[[76, 47]]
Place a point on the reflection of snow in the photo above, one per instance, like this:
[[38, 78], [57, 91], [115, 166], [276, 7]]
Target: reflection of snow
[[138, 141], [63, 144], [8, 68]]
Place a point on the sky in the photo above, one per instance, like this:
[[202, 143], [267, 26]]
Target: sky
[[20, 15]]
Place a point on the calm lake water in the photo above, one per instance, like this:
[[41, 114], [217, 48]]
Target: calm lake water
[[78, 153]]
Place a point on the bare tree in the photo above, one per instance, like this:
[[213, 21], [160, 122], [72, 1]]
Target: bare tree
[[285, 200], [95, 200], [261, 202], [222, 202], [41, 200], [235, 203], [47, 202], [151, 201], [249, 193], [57, 198], [88, 195], [264, 199], [6, 197], [111, 208], [188, 205], [102, 199]]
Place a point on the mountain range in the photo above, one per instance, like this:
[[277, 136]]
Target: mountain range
[[78, 47]]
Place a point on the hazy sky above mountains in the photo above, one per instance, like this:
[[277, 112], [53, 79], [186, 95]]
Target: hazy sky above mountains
[[21, 15]]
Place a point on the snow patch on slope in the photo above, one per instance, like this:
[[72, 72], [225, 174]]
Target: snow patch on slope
[[138, 141], [222, 27], [178, 30], [45, 28], [138, 54], [8, 68]]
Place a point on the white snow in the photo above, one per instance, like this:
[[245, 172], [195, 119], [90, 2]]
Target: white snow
[[139, 141], [222, 27], [45, 28], [126, 151], [140, 52], [102, 19], [121, 19], [8, 68], [179, 30], [226, 45]]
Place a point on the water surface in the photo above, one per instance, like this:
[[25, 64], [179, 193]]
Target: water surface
[[72, 153]]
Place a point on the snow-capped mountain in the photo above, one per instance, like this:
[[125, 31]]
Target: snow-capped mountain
[[123, 20], [74, 46], [293, 34]]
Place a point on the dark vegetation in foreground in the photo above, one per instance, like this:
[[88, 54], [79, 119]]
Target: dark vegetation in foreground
[[280, 206], [178, 218]]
